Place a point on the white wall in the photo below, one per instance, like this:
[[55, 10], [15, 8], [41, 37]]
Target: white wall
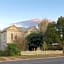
[[3, 40], [15, 33], [40, 52]]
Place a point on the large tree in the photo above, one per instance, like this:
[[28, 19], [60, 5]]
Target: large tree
[[60, 25], [43, 25], [21, 43], [51, 35], [35, 40]]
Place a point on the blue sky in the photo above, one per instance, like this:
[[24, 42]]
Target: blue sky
[[12, 11]]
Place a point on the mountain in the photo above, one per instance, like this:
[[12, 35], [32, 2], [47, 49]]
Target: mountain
[[28, 23]]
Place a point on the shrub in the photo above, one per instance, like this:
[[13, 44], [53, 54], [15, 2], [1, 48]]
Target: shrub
[[54, 47], [12, 50]]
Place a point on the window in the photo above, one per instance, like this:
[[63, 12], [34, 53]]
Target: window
[[11, 36], [16, 37], [4, 36]]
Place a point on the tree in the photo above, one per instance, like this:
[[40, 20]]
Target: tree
[[60, 25], [12, 50], [43, 25], [35, 40], [51, 35], [21, 43]]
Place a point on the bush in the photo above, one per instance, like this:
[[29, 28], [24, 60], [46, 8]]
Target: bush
[[54, 48], [12, 50], [4, 53]]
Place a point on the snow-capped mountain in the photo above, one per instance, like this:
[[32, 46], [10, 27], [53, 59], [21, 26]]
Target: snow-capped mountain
[[28, 24]]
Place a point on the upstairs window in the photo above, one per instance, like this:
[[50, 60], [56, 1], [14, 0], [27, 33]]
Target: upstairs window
[[15, 37], [11, 36]]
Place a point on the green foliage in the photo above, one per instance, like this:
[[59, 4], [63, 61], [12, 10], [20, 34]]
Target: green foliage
[[60, 25], [51, 35], [4, 53], [60, 22], [11, 50], [35, 39], [52, 47]]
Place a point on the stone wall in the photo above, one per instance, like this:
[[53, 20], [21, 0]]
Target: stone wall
[[40, 52]]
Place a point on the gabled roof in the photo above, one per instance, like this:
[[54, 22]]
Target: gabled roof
[[22, 29], [19, 28], [32, 29], [5, 29]]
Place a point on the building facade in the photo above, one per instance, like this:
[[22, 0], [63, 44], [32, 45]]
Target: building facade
[[11, 33]]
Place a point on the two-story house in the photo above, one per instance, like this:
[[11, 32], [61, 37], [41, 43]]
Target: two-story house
[[11, 33]]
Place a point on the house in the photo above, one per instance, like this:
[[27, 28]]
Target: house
[[11, 33], [8, 35], [30, 30]]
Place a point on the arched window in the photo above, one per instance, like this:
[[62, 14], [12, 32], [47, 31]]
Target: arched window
[[15, 37], [11, 36]]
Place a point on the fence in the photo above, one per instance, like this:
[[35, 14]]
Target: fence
[[40, 52]]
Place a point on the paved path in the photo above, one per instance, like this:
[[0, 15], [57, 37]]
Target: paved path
[[37, 61]]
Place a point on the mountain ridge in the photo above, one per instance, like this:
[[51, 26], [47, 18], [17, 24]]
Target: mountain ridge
[[28, 23]]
